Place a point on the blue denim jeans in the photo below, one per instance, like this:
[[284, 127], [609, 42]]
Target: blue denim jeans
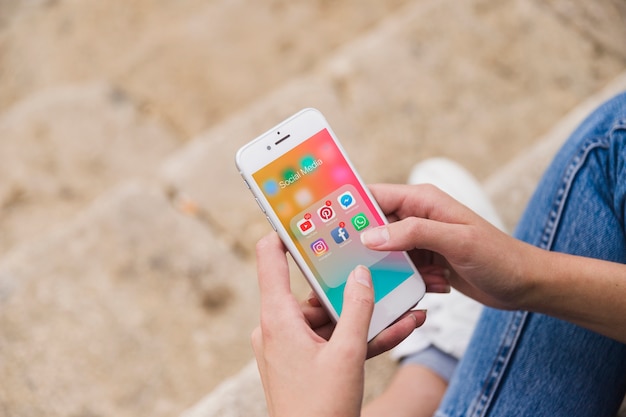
[[527, 364]]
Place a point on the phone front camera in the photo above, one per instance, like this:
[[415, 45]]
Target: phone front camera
[[269, 147]]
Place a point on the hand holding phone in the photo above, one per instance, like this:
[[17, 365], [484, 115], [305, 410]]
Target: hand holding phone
[[312, 196], [302, 373]]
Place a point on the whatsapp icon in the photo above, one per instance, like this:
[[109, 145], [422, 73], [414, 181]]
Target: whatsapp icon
[[360, 222]]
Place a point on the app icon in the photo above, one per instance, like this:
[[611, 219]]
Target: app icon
[[284, 209], [290, 175], [340, 234], [346, 200], [360, 222], [303, 197], [307, 161], [305, 226], [326, 213], [270, 187], [319, 247]]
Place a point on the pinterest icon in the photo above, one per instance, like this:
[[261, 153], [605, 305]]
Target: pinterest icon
[[326, 212]]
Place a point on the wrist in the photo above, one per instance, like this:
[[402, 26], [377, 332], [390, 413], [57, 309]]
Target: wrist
[[539, 273], [533, 264]]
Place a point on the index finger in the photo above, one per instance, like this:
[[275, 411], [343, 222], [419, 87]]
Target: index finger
[[423, 200]]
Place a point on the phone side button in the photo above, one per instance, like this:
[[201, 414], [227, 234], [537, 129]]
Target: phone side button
[[271, 224], [246, 182], [259, 203]]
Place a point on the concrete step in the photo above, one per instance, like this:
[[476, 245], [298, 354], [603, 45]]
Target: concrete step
[[63, 147], [131, 308], [510, 187], [190, 63]]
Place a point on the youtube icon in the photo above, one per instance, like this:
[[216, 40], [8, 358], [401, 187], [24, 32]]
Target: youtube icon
[[305, 226]]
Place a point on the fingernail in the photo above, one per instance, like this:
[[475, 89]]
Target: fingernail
[[313, 300], [362, 276], [375, 237], [416, 323]]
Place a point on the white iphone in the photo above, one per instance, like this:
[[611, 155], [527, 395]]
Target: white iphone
[[312, 196]]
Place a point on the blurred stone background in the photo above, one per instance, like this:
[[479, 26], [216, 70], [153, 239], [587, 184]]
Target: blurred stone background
[[127, 282]]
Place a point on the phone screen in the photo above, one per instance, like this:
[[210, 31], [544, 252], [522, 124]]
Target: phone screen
[[324, 208]]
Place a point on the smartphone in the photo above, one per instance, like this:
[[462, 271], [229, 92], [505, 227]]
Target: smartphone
[[310, 193]]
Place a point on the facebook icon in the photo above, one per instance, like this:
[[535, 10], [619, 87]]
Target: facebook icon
[[340, 234]]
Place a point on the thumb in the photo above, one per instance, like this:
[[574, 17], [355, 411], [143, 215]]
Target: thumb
[[358, 306]]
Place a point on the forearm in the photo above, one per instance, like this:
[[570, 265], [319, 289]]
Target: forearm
[[588, 292], [415, 391]]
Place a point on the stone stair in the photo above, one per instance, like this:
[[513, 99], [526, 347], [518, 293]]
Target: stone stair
[[188, 63], [126, 278], [63, 146]]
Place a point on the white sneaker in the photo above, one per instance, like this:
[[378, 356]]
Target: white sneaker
[[451, 317]]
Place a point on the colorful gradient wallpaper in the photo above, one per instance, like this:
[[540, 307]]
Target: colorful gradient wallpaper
[[323, 207]]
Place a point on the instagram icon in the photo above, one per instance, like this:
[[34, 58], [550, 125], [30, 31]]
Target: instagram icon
[[319, 247]]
